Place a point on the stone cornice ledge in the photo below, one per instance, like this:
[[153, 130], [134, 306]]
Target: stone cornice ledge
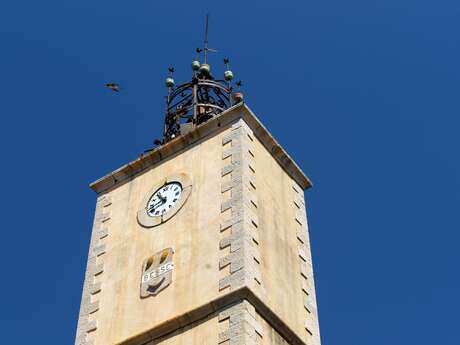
[[209, 310], [174, 146]]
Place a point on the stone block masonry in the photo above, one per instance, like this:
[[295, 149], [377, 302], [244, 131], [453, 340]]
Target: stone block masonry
[[305, 265], [239, 226], [87, 320], [243, 327]]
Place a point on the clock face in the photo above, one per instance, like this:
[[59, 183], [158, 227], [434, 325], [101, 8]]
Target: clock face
[[164, 199]]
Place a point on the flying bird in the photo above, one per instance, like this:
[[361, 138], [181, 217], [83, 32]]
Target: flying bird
[[113, 86]]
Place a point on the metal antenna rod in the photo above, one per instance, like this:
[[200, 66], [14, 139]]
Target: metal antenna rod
[[206, 40]]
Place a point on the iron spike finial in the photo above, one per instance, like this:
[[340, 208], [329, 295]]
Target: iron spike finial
[[196, 63], [204, 68], [169, 82], [228, 74], [206, 48]]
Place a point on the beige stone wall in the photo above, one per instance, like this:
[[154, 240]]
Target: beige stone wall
[[192, 233], [204, 332], [270, 335], [249, 327], [239, 320], [282, 218], [243, 226]]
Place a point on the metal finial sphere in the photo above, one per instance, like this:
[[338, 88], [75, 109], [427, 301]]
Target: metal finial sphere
[[169, 82], [196, 65], [228, 75], [205, 69]]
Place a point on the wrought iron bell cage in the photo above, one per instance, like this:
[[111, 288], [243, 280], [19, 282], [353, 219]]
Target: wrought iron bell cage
[[190, 104]]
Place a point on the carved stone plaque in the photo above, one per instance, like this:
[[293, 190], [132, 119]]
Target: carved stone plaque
[[157, 272]]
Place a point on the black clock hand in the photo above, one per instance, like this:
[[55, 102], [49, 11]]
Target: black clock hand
[[154, 206], [162, 198]]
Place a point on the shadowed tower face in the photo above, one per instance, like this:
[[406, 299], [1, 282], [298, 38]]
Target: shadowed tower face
[[203, 240]]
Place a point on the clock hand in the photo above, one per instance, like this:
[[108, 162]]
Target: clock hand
[[154, 206], [162, 198]]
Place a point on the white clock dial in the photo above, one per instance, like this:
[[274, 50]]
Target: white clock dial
[[164, 199]]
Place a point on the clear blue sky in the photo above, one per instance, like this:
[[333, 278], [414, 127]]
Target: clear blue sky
[[363, 94]]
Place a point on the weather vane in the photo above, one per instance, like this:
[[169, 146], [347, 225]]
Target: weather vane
[[206, 41]]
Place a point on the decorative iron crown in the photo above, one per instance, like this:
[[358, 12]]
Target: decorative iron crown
[[203, 97]]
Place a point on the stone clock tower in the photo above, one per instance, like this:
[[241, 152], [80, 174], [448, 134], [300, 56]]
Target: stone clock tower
[[203, 240]]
